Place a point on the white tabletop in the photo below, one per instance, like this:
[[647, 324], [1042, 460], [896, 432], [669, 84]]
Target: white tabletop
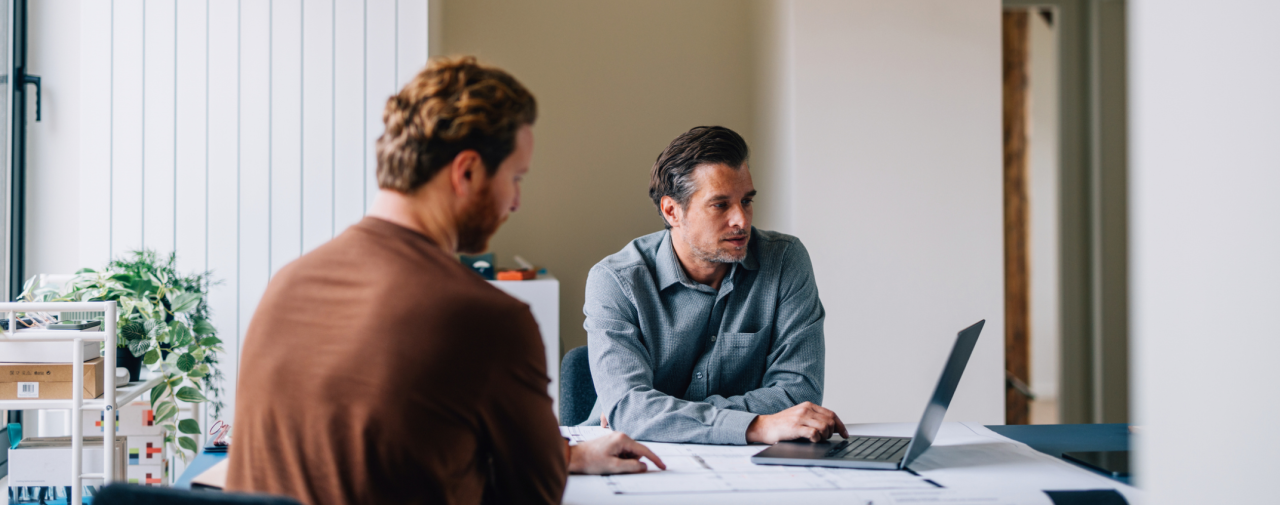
[[967, 462]]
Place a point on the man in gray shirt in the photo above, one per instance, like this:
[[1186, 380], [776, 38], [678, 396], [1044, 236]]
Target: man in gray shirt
[[711, 330]]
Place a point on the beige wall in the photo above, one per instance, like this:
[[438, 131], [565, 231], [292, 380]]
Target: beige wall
[[876, 131], [615, 82]]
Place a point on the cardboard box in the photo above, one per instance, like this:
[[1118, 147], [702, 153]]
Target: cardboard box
[[48, 381], [146, 450], [148, 475], [47, 352], [135, 418], [47, 461]]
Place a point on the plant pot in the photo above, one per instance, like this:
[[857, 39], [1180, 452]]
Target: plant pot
[[126, 359]]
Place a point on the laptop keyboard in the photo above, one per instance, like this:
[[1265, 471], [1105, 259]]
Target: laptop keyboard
[[868, 448]]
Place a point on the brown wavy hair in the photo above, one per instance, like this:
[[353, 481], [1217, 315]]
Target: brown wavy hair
[[453, 105]]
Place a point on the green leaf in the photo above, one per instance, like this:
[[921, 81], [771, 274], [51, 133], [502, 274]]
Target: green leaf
[[152, 357], [186, 362], [133, 330], [187, 443], [210, 341], [198, 354], [196, 373], [191, 395], [184, 302], [165, 411], [189, 426], [157, 392], [204, 327], [139, 347], [86, 271], [179, 334]]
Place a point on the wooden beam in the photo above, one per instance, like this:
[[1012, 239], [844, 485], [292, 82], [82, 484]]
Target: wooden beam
[[1017, 316]]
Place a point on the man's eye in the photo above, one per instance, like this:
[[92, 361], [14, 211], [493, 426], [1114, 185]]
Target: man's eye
[[747, 202], [719, 205]]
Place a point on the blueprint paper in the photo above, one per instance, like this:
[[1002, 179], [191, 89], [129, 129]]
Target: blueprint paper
[[725, 468]]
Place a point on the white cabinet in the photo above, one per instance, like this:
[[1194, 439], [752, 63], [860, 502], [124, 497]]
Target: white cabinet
[[543, 297]]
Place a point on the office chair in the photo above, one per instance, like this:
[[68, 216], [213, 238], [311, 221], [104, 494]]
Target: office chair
[[577, 391], [133, 494]]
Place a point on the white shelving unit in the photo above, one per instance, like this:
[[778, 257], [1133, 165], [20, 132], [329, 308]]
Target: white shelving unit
[[111, 398]]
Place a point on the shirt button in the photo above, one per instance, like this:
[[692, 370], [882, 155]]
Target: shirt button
[[713, 338], [698, 375]]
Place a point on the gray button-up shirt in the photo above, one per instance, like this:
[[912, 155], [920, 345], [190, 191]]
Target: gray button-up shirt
[[677, 361]]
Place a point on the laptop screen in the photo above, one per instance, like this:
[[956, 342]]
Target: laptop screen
[[937, 408]]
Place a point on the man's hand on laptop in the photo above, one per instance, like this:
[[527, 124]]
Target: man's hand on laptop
[[805, 420], [611, 454]]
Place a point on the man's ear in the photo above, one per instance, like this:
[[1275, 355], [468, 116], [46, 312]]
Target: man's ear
[[464, 172], [670, 211]]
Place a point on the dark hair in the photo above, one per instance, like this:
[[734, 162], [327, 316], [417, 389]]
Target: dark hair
[[453, 105], [672, 173]]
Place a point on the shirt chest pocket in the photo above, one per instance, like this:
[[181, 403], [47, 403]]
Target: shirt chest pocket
[[741, 361]]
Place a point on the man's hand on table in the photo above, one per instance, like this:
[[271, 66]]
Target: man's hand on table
[[805, 420], [611, 454]]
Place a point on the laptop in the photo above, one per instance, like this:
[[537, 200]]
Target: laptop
[[882, 453]]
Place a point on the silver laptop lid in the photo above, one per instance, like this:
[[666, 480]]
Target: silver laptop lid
[[937, 408]]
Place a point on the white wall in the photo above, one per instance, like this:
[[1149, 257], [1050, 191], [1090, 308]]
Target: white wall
[[1205, 248], [53, 154], [1043, 186], [897, 195], [239, 134]]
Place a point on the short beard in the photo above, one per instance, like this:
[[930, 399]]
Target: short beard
[[478, 223], [717, 255]]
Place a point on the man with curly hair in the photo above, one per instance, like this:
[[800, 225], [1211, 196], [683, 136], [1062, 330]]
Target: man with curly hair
[[377, 368]]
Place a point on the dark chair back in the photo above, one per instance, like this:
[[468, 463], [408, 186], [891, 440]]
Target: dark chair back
[[577, 391], [133, 494]]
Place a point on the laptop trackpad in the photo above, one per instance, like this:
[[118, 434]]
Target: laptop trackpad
[[803, 448]]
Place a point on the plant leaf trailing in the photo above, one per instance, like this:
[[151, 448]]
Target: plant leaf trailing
[[164, 318]]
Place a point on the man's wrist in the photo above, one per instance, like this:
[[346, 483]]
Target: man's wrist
[[755, 430], [575, 460]]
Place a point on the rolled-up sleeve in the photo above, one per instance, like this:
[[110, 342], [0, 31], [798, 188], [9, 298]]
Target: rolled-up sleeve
[[623, 370], [795, 365]]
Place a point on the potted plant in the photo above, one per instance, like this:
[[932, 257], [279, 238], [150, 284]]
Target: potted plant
[[163, 321]]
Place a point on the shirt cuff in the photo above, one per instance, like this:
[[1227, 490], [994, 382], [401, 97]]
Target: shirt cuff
[[731, 427]]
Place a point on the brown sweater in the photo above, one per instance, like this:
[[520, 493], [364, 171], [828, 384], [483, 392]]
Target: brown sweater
[[377, 369]]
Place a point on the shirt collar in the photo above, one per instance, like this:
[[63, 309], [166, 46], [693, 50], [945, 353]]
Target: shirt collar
[[670, 271]]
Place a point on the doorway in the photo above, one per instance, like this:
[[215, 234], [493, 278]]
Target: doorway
[[1066, 219]]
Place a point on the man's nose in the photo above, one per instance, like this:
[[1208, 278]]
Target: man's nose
[[738, 217]]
